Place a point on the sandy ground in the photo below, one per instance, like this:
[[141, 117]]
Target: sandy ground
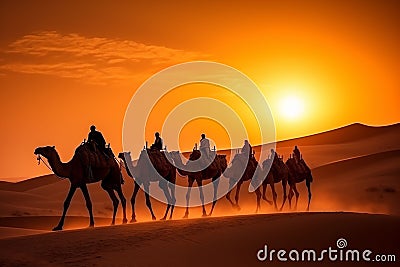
[[221, 241]]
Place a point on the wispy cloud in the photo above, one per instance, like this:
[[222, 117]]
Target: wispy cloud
[[91, 59]]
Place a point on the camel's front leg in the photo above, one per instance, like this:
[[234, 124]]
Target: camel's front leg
[[172, 188], [164, 186], [264, 193], [123, 203], [284, 194], [237, 193], [200, 185], [148, 201], [258, 194], [274, 195], [228, 195], [297, 195], [191, 181], [88, 203], [308, 184], [67, 201], [115, 202], [215, 184], [133, 200]]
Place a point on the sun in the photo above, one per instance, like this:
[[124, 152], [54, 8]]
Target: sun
[[291, 107]]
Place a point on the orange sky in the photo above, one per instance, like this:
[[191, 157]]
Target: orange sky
[[65, 66]]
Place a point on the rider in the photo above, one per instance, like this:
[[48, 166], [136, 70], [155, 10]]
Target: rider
[[296, 153], [205, 146], [274, 155], [157, 142], [97, 138], [247, 149]]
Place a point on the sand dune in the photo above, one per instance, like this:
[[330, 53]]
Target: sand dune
[[355, 169], [29, 183], [222, 241], [7, 232]]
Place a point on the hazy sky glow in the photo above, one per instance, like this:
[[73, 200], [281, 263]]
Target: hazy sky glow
[[65, 66]]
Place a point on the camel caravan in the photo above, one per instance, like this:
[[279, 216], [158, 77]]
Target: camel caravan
[[93, 162]]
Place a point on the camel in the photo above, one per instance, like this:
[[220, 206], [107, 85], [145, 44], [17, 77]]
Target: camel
[[298, 172], [278, 172], [213, 171], [144, 173], [86, 166], [249, 168]]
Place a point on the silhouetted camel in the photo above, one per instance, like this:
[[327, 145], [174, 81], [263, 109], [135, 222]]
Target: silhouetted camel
[[278, 172], [213, 171], [86, 166], [298, 172], [249, 168], [144, 173]]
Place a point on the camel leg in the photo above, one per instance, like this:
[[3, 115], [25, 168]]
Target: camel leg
[[284, 194], [297, 196], [191, 181], [67, 201], [148, 202], [123, 203], [258, 194], [163, 185], [86, 195], [215, 184], [290, 196], [308, 184], [133, 200], [228, 195], [115, 202], [264, 193], [274, 194], [237, 194], [200, 185], [172, 188]]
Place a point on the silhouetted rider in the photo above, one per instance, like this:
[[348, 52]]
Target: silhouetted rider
[[296, 153], [97, 138], [205, 146], [247, 149], [157, 143], [274, 155]]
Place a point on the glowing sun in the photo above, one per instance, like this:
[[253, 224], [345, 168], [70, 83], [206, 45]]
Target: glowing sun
[[291, 107]]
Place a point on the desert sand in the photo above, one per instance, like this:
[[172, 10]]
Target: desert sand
[[355, 196], [219, 241]]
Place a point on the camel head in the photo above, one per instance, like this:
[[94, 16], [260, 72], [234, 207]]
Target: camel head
[[46, 151]]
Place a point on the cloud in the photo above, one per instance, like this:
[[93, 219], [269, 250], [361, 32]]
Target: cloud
[[96, 60]]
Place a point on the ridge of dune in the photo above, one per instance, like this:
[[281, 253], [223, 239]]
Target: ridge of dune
[[28, 184], [345, 134], [363, 159]]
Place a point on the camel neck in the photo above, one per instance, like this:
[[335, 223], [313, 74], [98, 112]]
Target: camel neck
[[129, 166], [59, 168]]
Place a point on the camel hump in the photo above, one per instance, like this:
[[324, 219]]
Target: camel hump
[[91, 156], [157, 158]]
